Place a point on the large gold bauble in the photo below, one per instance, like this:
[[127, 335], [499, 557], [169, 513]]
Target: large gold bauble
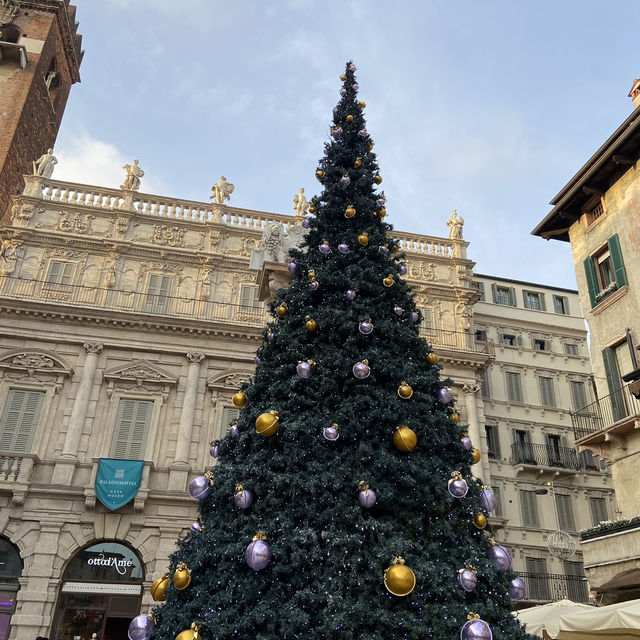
[[378, 179], [190, 634], [158, 588], [362, 104], [455, 417], [239, 399], [382, 212], [399, 579], [363, 239], [388, 281], [405, 439], [281, 311], [358, 163], [319, 174], [181, 577], [349, 118], [476, 456], [343, 78], [405, 391], [349, 212], [267, 424], [312, 208], [432, 358], [311, 325], [480, 520]]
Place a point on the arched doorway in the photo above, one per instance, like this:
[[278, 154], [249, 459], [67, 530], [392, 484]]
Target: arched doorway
[[101, 592], [10, 571]]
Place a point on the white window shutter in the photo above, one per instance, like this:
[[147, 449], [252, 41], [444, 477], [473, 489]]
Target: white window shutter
[[20, 420], [132, 427]]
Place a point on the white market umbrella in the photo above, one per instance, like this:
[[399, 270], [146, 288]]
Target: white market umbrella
[[619, 621], [542, 620]]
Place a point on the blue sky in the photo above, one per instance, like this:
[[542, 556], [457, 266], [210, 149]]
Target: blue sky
[[485, 107]]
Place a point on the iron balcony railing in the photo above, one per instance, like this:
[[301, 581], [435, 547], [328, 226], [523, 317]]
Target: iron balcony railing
[[545, 456], [605, 412], [456, 340], [551, 587]]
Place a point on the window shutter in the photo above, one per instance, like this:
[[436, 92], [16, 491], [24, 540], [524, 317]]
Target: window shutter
[[229, 414], [578, 395], [485, 385], [67, 273], [497, 492], [494, 292], [565, 305], [512, 297], [598, 508], [614, 383], [132, 426], [543, 304], [20, 419], [55, 270], [525, 299], [592, 282], [547, 395], [247, 296], [616, 261], [566, 521], [529, 509]]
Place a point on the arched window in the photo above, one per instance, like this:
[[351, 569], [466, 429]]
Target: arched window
[[10, 571], [52, 80]]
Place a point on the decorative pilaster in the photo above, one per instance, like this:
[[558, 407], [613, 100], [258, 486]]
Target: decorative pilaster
[[480, 470]]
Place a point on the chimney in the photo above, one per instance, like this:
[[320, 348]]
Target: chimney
[[634, 94]]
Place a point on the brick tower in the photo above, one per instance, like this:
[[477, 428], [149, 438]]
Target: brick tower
[[40, 58]]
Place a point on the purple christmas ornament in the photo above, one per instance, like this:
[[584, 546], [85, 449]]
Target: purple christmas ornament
[[383, 249], [476, 630], [414, 316], [488, 499], [366, 497], [331, 433], [313, 285], [258, 554], [335, 110], [337, 132], [343, 92], [361, 370], [196, 527], [402, 269], [140, 628], [257, 361], [366, 327], [306, 223], [499, 557], [324, 248], [352, 66], [292, 267], [271, 336], [381, 202], [467, 579], [363, 132], [355, 86], [399, 310], [345, 181], [242, 497], [444, 396], [350, 295], [517, 589], [234, 430], [304, 370], [457, 486], [343, 249], [214, 452], [466, 443], [200, 487]]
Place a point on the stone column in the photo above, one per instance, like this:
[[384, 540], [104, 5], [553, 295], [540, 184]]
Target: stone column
[[180, 465], [480, 470]]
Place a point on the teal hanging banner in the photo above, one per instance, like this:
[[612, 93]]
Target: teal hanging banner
[[118, 481]]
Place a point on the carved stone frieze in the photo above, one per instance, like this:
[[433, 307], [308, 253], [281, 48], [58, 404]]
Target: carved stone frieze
[[166, 267], [236, 379], [140, 371], [248, 245], [420, 270], [65, 253], [76, 223], [32, 361], [168, 236], [10, 251]]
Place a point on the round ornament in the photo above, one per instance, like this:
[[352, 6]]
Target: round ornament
[[388, 281], [324, 248], [306, 223], [310, 325], [319, 174], [378, 179], [358, 162], [257, 361], [343, 249], [366, 496], [271, 336], [196, 527], [366, 327], [355, 86], [402, 269], [337, 132], [350, 295], [405, 439], [214, 452], [467, 578], [312, 209], [331, 433], [345, 181], [432, 358], [361, 370], [381, 201], [158, 588], [239, 399], [258, 554], [352, 67], [349, 212], [292, 267], [200, 486], [281, 310], [383, 248], [267, 424], [242, 497], [363, 132], [349, 118], [445, 396], [466, 442], [488, 499], [363, 239], [499, 556], [399, 579], [190, 634], [234, 429], [343, 78], [398, 310], [476, 629], [181, 577], [480, 521], [457, 485], [517, 589], [477, 456], [335, 111], [405, 391], [382, 213], [414, 316], [304, 369], [140, 628], [362, 104], [455, 417], [314, 285]]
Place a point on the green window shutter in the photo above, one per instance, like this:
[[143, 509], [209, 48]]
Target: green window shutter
[[598, 508], [566, 520], [512, 297], [614, 383], [132, 427], [616, 261], [20, 420], [543, 304], [578, 395], [494, 292], [592, 281], [529, 509]]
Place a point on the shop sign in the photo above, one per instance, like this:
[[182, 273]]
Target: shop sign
[[118, 481]]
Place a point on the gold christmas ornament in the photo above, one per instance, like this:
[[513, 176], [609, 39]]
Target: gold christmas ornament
[[405, 439], [395, 248], [181, 577], [190, 634], [405, 391], [358, 162], [476, 456], [455, 417], [371, 146], [312, 208], [480, 521], [363, 239], [158, 588], [349, 118], [311, 273], [310, 324], [382, 212], [432, 358], [399, 580], [378, 179], [362, 104], [267, 424], [349, 212], [388, 281], [343, 78], [319, 174], [239, 399], [281, 311]]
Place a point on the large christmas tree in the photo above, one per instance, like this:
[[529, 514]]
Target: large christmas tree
[[342, 504]]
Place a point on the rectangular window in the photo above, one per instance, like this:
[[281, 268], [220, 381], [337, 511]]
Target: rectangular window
[[540, 345], [595, 212], [529, 509], [229, 414], [427, 318], [605, 271], [60, 273], [485, 385], [497, 492], [480, 287], [131, 430], [507, 340], [598, 508], [578, 395], [250, 306], [481, 335], [493, 442], [547, 394], [533, 300], [504, 295], [576, 582], [566, 521], [561, 305], [158, 292], [20, 419], [589, 461], [538, 579], [514, 386], [571, 349]]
